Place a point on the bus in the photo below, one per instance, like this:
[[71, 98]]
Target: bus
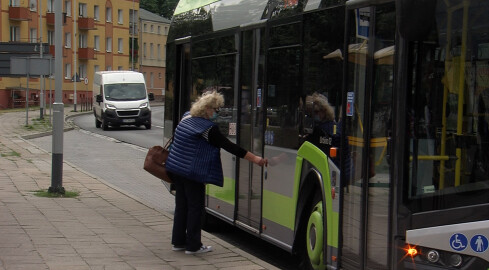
[[400, 180]]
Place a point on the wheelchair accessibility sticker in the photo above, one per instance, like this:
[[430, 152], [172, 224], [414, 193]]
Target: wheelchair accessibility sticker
[[458, 242], [479, 243]]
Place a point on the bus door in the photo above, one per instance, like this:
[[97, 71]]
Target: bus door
[[365, 210], [251, 129], [183, 83]]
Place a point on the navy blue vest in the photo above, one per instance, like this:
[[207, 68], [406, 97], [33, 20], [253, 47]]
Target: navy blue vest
[[192, 156]]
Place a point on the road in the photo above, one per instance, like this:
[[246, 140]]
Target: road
[[116, 156]]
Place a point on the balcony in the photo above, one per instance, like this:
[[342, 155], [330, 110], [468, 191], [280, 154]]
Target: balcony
[[85, 23], [86, 53], [18, 13], [50, 18]]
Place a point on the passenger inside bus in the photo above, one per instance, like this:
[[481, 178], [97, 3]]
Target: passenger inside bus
[[326, 132]]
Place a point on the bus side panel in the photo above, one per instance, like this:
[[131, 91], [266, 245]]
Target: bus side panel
[[222, 199]]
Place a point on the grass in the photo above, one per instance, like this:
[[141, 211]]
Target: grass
[[39, 124], [10, 154], [47, 194]]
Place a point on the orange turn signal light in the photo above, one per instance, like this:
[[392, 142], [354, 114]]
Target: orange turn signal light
[[333, 151], [411, 251]]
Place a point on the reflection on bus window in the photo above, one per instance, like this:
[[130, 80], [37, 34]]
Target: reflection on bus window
[[449, 104]]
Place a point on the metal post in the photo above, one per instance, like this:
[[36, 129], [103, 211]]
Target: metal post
[[133, 33], [58, 106], [42, 101], [74, 52], [27, 96]]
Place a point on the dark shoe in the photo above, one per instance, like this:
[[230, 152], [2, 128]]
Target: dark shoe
[[203, 249]]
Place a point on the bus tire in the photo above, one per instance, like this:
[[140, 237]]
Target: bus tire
[[312, 239]]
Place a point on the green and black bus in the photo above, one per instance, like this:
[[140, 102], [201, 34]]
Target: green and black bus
[[406, 186]]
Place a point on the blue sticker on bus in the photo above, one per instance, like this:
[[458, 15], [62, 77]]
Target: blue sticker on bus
[[458, 242], [479, 243], [350, 97]]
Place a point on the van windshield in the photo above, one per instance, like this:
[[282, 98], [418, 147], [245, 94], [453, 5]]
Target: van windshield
[[125, 91]]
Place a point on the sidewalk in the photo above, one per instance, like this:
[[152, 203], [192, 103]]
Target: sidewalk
[[102, 228]]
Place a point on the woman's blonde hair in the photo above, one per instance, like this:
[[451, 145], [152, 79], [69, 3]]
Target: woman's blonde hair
[[211, 99], [322, 102]]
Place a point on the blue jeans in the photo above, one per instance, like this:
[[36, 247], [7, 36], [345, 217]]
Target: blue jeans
[[189, 207]]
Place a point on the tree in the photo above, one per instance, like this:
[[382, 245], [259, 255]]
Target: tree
[[163, 8]]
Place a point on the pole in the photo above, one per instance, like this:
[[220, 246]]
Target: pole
[[74, 51], [27, 96], [42, 101], [58, 106], [133, 33]]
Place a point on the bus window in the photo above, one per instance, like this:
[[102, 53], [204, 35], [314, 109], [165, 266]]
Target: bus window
[[448, 116], [283, 93], [213, 67]]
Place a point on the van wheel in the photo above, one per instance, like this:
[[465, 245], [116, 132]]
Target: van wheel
[[148, 126], [105, 125], [312, 238], [97, 123]]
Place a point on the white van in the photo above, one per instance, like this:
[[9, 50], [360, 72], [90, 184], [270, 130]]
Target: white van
[[121, 98]]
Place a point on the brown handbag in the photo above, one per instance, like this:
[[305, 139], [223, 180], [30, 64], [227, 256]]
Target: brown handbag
[[154, 163]]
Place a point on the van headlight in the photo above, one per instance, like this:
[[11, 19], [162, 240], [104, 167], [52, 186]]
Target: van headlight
[[109, 106], [143, 105]]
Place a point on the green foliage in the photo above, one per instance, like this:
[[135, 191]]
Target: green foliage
[[163, 8], [10, 154], [47, 194]]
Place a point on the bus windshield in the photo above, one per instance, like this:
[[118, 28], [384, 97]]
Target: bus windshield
[[124, 91], [448, 115]]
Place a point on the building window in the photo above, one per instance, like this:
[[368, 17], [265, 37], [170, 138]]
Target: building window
[[67, 40], [83, 41], [96, 13], [145, 28], [14, 33], [82, 70], [166, 30], [108, 44], [96, 43], [33, 35], [82, 10], [152, 29], [14, 3], [144, 49], [151, 50], [151, 80], [50, 37], [119, 45], [159, 30], [159, 75], [33, 5], [50, 6], [96, 68], [158, 51], [120, 19], [68, 71], [68, 8], [108, 68], [108, 14], [120, 68]]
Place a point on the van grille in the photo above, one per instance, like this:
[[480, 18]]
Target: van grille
[[128, 113]]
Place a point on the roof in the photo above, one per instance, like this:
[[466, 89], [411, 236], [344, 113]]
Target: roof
[[149, 16]]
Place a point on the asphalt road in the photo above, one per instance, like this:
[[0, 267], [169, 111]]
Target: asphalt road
[[117, 156]]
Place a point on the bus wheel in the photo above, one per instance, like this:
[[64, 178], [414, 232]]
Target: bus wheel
[[313, 240]]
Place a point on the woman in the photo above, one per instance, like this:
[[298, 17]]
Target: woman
[[194, 160]]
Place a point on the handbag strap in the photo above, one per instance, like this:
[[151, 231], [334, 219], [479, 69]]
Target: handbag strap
[[168, 143]]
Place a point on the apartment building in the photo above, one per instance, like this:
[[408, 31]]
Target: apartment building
[[97, 35], [153, 36]]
